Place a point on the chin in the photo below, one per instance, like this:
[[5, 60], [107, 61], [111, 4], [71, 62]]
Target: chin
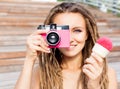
[[71, 54]]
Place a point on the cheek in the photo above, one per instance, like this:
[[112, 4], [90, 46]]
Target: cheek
[[81, 38]]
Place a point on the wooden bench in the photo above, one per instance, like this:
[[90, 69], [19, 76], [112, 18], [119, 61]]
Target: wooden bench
[[25, 8], [15, 29], [114, 55], [19, 19]]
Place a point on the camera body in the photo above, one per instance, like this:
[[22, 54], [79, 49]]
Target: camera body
[[57, 36]]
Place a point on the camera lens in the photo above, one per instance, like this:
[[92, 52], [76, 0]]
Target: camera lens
[[53, 38]]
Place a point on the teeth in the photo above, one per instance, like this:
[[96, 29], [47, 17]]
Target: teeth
[[72, 46]]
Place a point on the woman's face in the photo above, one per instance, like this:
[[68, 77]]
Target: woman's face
[[78, 34]]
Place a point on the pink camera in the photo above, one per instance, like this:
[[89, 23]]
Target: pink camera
[[57, 36]]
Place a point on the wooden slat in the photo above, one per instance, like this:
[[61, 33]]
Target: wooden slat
[[116, 48], [6, 55], [25, 8], [12, 61], [12, 65], [16, 31], [29, 21]]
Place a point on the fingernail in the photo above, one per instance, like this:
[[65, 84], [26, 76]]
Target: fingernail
[[48, 49]]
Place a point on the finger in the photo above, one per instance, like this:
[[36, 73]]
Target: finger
[[98, 58], [88, 73], [90, 60], [39, 32], [94, 70], [93, 62], [40, 39], [33, 38], [90, 68], [37, 48], [37, 40], [40, 44]]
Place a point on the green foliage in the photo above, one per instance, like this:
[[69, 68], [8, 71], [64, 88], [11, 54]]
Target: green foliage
[[60, 0], [118, 15]]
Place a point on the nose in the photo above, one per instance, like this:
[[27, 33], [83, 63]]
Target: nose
[[71, 37]]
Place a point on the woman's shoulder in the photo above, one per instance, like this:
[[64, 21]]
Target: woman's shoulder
[[111, 70], [112, 76]]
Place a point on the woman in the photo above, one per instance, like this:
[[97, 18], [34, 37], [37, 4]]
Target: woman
[[76, 67]]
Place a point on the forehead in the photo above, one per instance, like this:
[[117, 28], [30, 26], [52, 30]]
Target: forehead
[[71, 19]]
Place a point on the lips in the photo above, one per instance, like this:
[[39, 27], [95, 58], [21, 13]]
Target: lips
[[72, 47]]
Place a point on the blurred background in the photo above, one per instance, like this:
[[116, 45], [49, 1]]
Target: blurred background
[[19, 18]]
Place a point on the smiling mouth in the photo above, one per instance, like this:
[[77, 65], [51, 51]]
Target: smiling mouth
[[72, 47]]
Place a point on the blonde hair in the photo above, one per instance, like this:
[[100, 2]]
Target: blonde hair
[[50, 64]]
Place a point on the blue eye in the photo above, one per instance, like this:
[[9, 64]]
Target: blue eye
[[77, 30]]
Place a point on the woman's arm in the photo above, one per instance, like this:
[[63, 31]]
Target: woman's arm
[[93, 69], [35, 78], [24, 80], [112, 79], [35, 45]]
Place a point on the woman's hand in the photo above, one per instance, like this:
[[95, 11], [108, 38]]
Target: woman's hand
[[36, 44], [93, 69]]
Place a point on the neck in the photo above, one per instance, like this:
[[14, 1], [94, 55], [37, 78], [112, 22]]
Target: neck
[[72, 63]]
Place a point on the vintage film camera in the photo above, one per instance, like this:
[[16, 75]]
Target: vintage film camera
[[57, 36]]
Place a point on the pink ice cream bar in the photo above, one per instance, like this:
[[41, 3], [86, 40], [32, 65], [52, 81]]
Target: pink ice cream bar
[[103, 46]]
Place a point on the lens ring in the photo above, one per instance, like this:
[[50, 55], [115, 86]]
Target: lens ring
[[53, 38]]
